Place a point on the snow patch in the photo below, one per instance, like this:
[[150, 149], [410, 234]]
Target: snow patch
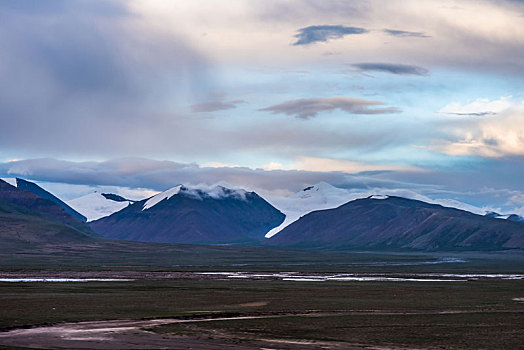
[[379, 196], [161, 196], [95, 206], [10, 180]]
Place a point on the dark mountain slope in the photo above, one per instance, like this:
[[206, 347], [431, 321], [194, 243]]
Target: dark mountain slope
[[115, 197], [20, 227], [39, 191], [41, 207], [184, 215], [397, 223]]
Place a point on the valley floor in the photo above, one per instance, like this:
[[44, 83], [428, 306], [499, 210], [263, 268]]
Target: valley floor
[[353, 330], [237, 298], [213, 313]]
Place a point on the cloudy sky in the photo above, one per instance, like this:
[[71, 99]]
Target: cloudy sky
[[268, 95]]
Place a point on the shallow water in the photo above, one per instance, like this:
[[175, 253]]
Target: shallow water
[[350, 277]]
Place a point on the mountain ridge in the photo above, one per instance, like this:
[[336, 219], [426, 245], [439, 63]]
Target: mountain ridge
[[399, 223], [39, 206], [39, 191]]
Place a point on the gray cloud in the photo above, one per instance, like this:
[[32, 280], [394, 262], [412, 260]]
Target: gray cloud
[[88, 75], [403, 33], [304, 11], [474, 114], [393, 68], [309, 107], [313, 34], [36, 7], [470, 184], [160, 175], [213, 106], [479, 49]]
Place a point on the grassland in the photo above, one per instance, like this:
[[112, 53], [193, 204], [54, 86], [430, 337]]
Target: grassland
[[472, 314], [475, 314], [443, 331], [106, 255]]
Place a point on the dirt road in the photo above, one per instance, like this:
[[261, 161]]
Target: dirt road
[[129, 334]]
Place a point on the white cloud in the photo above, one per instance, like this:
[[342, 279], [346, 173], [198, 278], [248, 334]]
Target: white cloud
[[479, 107], [272, 166], [486, 135], [348, 166]]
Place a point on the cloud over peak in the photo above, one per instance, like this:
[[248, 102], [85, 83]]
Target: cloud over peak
[[305, 108], [159, 175], [393, 68], [322, 33]]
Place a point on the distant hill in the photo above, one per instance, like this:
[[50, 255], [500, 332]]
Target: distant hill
[[29, 203], [193, 215], [386, 223]]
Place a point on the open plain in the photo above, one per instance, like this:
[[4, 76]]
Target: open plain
[[244, 299]]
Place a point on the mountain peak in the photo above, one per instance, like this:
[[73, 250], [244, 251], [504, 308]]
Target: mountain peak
[[319, 186], [193, 214], [320, 189], [197, 192]]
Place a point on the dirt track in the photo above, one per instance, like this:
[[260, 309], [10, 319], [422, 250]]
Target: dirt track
[[129, 334]]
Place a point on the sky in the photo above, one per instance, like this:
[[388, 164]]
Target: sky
[[138, 96]]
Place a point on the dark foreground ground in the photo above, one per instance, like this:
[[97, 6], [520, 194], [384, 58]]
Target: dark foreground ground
[[169, 306]]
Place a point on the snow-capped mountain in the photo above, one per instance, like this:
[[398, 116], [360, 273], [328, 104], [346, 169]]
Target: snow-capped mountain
[[37, 210], [197, 192], [317, 197], [389, 222], [184, 214], [40, 192], [98, 205], [325, 196]]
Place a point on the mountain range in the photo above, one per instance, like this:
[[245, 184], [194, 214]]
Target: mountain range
[[318, 217]]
